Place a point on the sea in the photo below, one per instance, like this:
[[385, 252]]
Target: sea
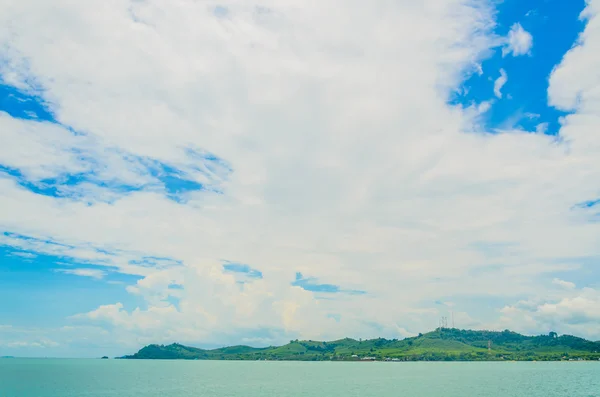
[[157, 378]]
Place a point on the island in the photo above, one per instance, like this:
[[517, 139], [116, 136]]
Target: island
[[443, 344]]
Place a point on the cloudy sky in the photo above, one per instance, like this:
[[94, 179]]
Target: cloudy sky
[[217, 173]]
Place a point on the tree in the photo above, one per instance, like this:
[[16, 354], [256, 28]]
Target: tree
[[553, 334]]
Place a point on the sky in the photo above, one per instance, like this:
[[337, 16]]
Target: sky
[[238, 172]]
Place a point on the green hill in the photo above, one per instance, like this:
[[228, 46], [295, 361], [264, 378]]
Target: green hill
[[445, 344]]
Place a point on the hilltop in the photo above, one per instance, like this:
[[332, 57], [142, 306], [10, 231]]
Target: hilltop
[[445, 344]]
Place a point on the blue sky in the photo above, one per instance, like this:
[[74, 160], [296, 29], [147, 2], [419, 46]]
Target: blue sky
[[554, 27], [41, 292], [228, 174]]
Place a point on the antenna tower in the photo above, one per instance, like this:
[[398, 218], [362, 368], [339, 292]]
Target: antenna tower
[[443, 322]]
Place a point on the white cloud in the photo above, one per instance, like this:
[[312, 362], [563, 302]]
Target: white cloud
[[66, 341], [26, 255], [541, 128], [484, 106], [347, 165], [24, 344], [499, 83], [93, 273], [563, 283], [518, 41], [573, 84], [577, 313]]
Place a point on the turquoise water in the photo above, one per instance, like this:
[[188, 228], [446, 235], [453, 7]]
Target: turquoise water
[[124, 378]]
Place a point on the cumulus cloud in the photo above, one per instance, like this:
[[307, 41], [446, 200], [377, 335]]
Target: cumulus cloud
[[342, 161], [578, 313], [499, 83], [518, 41], [572, 86]]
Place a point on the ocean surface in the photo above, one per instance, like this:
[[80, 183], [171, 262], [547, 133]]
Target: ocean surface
[[129, 378]]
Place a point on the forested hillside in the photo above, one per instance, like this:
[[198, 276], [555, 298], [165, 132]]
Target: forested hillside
[[446, 344]]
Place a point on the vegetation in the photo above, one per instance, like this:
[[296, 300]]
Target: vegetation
[[443, 344]]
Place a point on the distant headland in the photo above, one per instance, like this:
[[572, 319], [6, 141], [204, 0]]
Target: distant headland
[[443, 344]]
